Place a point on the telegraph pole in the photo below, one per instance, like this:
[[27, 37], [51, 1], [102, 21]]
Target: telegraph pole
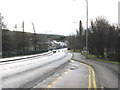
[[23, 36], [80, 30], [34, 36], [0, 36]]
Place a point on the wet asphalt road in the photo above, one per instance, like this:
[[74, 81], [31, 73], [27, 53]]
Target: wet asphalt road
[[28, 72], [60, 71]]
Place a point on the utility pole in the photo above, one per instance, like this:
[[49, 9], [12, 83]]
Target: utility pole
[[0, 36], [23, 36], [118, 43], [15, 27], [34, 36], [119, 14], [86, 28], [23, 26], [33, 28], [80, 30]]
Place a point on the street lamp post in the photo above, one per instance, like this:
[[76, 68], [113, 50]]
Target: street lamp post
[[0, 36], [86, 28]]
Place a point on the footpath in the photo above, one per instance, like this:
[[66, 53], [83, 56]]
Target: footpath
[[107, 73]]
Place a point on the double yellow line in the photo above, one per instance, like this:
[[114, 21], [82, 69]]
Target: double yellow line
[[50, 85], [91, 77]]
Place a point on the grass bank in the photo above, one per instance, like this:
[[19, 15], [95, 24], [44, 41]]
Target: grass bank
[[99, 59], [93, 57]]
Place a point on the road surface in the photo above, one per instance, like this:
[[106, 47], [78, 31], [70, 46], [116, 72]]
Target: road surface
[[77, 75], [73, 75], [26, 73], [59, 70]]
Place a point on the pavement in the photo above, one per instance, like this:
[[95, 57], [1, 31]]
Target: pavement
[[107, 73]]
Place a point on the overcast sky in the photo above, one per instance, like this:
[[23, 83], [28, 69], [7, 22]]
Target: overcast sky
[[56, 16]]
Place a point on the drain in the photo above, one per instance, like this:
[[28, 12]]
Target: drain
[[73, 68]]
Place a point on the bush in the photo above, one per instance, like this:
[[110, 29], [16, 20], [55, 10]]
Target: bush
[[112, 57]]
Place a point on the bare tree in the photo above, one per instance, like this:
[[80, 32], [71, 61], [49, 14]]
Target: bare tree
[[34, 37], [2, 26], [102, 38]]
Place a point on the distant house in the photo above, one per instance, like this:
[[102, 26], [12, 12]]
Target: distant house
[[56, 45], [63, 44]]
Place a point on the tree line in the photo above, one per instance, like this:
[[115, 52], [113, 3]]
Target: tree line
[[16, 43], [103, 39]]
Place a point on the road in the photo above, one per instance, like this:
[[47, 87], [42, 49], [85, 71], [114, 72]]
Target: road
[[28, 72], [58, 70], [73, 75]]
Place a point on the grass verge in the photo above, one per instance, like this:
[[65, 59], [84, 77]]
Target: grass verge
[[99, 59]]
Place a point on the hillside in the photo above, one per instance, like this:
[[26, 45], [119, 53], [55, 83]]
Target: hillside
[[55, 37]]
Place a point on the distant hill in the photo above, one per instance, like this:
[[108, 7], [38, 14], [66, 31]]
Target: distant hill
[[56, 37], [47, 36]]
